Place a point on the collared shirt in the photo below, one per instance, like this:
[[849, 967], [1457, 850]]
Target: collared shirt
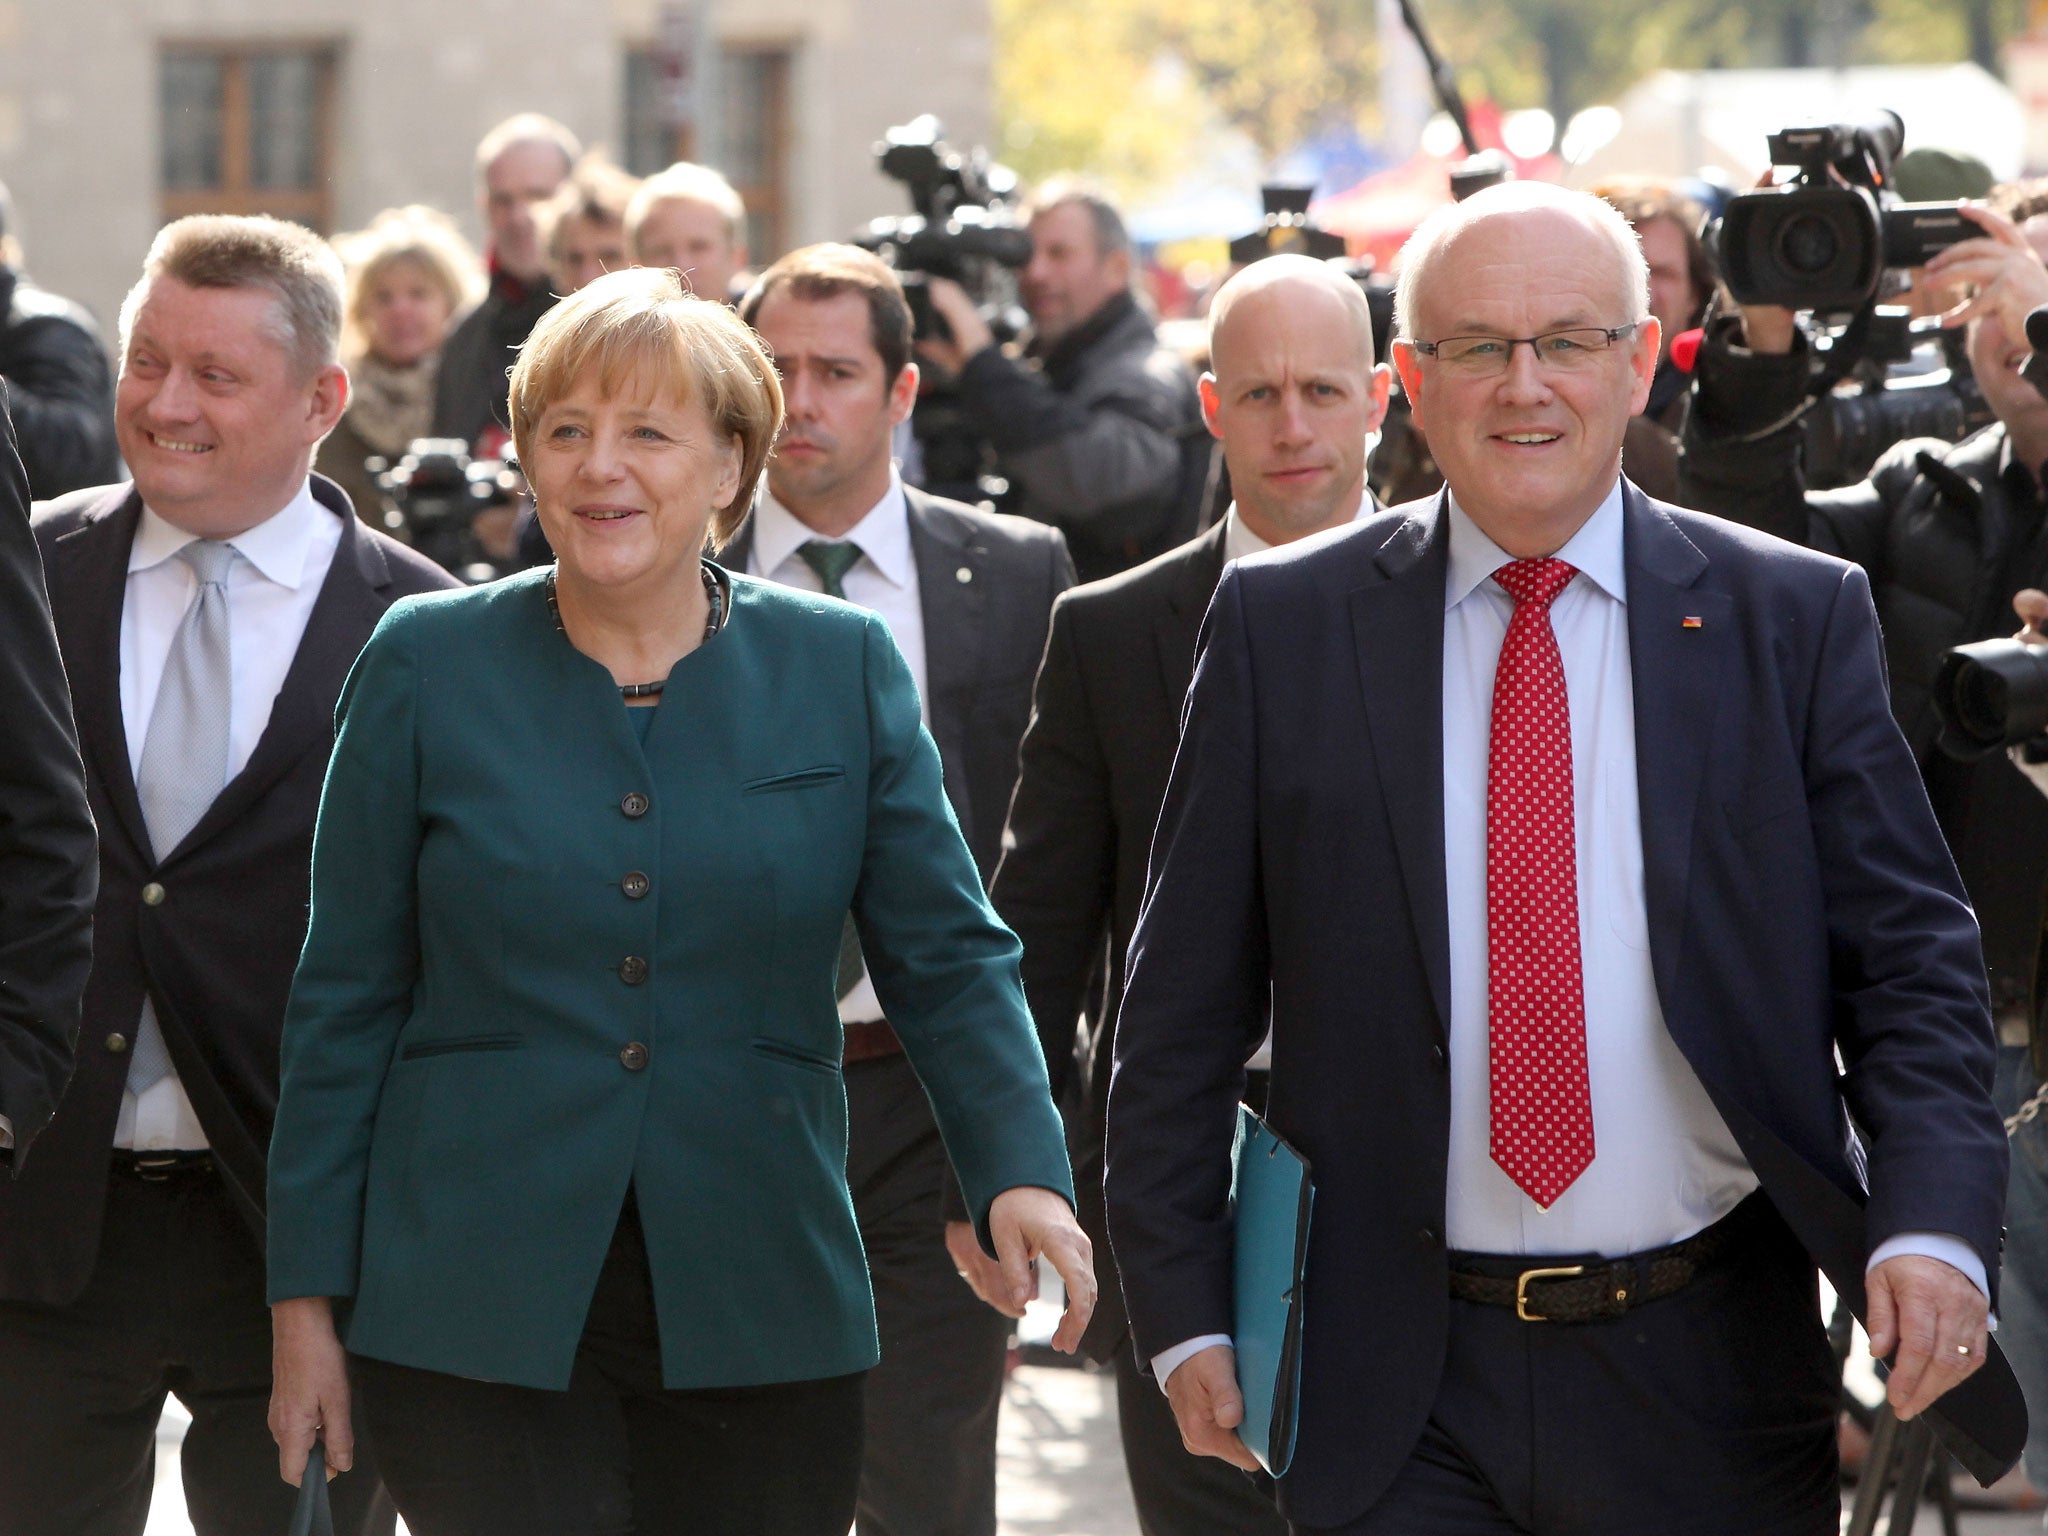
[[1665, 1164], [271, 592], [884, 580], [1239, 541]]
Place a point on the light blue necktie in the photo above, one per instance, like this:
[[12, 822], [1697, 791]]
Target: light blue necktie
[[185, 750]]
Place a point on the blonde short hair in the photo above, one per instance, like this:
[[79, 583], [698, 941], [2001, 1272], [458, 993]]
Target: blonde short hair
[[686, 182], [288, 261], [645, 324], [424, 237]]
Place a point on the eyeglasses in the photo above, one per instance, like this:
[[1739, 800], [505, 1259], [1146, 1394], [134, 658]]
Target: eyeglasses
[[1563, 350]]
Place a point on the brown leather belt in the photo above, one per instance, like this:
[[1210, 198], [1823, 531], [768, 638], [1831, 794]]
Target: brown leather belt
[[871, 1041], [1596, 1289]]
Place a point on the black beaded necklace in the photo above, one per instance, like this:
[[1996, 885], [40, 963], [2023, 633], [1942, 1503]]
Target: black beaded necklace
[[714, 593]]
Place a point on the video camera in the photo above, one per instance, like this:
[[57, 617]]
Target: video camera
[[1824, 241], [1832, 242], [434, 494], [965, 227]]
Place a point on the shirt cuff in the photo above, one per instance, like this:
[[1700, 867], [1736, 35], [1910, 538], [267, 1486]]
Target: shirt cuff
[[1952, 1251], [1167, 1361]]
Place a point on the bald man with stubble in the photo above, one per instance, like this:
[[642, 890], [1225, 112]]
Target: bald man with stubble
[[1295, 396]]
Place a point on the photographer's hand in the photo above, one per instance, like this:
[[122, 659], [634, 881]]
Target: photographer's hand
[[2000, 266], [970, 331], [2031, 604]]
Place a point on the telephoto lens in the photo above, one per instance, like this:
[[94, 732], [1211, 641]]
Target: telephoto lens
[[1990, 695]]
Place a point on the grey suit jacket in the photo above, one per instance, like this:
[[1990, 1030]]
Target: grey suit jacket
[[986, 583]]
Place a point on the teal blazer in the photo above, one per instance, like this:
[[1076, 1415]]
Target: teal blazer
[[546, 963]]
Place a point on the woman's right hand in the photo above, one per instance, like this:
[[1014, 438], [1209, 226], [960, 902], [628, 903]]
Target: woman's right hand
[[309, 1388]]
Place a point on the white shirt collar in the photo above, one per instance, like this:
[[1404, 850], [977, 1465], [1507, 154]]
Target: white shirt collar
[[276, 547], [1239, 541], [883, 534], [1596, 551]]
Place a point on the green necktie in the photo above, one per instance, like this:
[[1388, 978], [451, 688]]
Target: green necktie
[[831, 562]]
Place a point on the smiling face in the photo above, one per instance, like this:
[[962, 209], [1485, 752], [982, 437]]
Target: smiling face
[[1293, 395], [1530, 453], [831, 463], [691, 237], [405, 313], [216, 419], [626, 484]]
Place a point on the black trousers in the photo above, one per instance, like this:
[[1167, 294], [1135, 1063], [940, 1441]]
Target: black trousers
[[1708, 1412], [932, 1402], [617, 1454], [1178, 1493], [175, 1304]]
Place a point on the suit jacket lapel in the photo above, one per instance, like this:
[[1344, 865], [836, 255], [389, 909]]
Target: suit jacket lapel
[[88, 575], [1398, 627], [302, 718], [1677, 668], [1177, 627], [952, 589]]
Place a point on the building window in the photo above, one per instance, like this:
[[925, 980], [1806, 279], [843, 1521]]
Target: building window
[[248, 129], [755, 144]]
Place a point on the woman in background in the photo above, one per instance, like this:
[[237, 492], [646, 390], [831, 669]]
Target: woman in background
[[410, 274]]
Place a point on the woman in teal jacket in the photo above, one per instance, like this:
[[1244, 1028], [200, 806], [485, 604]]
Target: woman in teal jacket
[[562, 1124]]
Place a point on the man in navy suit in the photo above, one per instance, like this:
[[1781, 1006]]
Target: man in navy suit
[[1616, 970]]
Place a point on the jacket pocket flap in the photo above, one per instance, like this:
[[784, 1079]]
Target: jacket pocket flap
[[801, 778], [455, 1043]]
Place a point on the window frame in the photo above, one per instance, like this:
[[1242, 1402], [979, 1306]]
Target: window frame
[[236, 193]]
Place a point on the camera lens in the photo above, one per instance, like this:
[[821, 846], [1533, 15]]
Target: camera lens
[[1808, 244], [1991, 694]]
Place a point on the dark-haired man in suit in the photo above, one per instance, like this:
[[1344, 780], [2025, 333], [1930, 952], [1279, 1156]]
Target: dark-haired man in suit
[[967, 596], [1567, 842], [1294, 395], [207, 615]]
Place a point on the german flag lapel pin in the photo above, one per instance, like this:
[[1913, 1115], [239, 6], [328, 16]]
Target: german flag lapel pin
[[1692, 621]]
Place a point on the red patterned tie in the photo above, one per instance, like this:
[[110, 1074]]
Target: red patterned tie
[[1542, 1121]]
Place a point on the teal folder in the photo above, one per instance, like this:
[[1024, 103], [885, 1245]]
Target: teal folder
[[1271, 1197]]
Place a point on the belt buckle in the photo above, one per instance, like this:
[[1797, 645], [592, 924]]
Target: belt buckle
[[155, 1167], [1563, 1272]]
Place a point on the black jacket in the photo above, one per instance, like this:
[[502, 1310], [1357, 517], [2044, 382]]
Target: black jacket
[[216, 944], [59, 387], [474, 384], [1948, 532], [48, 871], [1104, 725], [1103, 438]]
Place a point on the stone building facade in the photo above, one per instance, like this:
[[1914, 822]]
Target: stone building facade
[[116, 115]]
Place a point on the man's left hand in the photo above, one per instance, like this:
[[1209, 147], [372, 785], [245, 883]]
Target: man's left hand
[[1934, 1317], [970, 332], [2004, 275], [984, 1276]]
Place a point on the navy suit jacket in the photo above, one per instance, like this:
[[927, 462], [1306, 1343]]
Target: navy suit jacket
[[1800, 901]]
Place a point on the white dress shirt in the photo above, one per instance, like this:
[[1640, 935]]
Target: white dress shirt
[[884, 579], [1665, 1164], [271, 591]]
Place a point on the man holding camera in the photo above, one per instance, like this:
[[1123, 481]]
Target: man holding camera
[[1947, 532], [1097, 426]]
